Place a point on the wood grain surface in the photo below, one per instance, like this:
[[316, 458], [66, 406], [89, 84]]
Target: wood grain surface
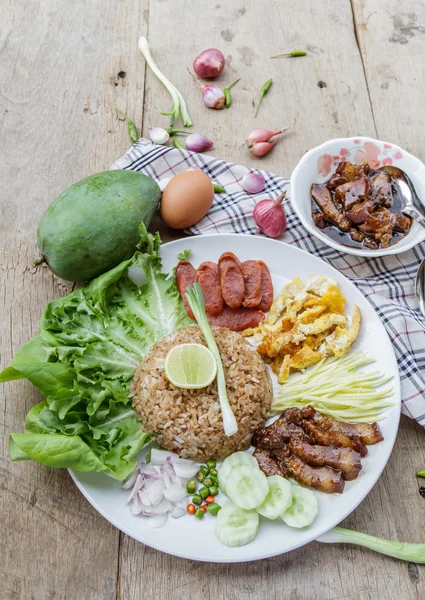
[[64, 67]]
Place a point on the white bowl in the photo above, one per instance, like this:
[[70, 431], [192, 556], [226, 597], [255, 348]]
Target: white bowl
[[317, 165]]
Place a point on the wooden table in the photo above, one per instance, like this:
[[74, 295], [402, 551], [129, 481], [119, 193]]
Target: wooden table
[[64, 67]]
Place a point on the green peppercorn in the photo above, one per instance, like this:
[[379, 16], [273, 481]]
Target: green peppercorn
[[197, 499], [191, 486], [213, 508]]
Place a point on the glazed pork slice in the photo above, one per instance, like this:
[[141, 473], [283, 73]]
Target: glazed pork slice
[[334, 438], [323, 479], [351, 193], [369, 433], [379, 225], [344, 459], [268, 464], [346, 172], [381, 187], [322, 196], [276, 434]]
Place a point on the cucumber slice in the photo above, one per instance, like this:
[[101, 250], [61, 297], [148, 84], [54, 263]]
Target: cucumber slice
[[232, 461], [247, 487], [235, 526], [304, 508], [279, 498]]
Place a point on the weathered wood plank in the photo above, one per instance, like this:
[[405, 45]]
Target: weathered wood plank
[[249, 33], [391, 37], [63, 69]]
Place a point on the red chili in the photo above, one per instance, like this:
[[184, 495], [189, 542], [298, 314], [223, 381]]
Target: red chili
[[203, 508], [191, 509], [209, 499]]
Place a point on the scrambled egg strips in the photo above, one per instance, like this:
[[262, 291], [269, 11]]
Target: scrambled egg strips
[[306, 323]]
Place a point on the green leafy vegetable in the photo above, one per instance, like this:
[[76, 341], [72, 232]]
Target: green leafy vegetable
[[184, 255], [196, 302], [83, 360], [336, 388]]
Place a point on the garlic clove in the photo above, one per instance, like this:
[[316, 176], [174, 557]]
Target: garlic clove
[[159, 135], [253, 183]]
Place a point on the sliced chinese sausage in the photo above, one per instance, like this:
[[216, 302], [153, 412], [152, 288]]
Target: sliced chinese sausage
[[231, 280], [237, 319], [208, 279], [185, 277], [267, 291], [251, 271]]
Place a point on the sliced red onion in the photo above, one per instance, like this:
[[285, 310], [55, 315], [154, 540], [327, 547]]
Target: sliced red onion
[[163, 507], [136, 507], [174, 494], [186, 470], [148, 469], [178, 512], [253, 183], [157, 521], [145, 498], [136, 487], [130, 481], [156, 492], [159, 457]]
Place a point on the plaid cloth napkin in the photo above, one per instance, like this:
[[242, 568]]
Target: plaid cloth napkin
[[387, 282]]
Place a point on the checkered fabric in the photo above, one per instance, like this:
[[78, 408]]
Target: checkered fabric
[[387, 282]]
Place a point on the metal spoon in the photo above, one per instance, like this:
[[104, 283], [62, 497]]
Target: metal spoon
[[412, 205], [420, 287]]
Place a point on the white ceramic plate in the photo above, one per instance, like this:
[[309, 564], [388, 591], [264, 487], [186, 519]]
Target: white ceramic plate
[[188, 537], [317, 165]]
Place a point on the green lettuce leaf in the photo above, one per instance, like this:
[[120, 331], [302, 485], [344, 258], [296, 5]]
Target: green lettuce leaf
[[83, 361]]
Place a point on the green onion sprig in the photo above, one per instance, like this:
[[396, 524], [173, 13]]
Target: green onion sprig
[[196, 302], [409, 552], [179, 105]]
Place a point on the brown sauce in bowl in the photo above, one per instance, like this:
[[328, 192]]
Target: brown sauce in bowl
[[360, 207]]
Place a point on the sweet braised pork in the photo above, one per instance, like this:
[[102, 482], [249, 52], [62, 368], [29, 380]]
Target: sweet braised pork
[[359, 206]]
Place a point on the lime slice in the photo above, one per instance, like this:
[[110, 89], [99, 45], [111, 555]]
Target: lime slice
[[190, 366]]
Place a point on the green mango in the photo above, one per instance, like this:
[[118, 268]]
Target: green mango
[[94, 224]]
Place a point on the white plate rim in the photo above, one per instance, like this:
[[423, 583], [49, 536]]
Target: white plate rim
[[378, 472]]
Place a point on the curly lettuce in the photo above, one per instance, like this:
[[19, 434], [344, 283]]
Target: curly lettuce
[[83, 361]]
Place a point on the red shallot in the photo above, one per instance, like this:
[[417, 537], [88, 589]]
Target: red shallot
[[269, 216], [213, 96], [209, 63]]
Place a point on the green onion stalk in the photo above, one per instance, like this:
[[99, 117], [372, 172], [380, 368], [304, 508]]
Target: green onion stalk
[[409, 552], [179, 104], [196, 302], [420, 473]]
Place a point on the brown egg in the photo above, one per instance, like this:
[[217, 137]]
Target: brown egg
[[186, 199]]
